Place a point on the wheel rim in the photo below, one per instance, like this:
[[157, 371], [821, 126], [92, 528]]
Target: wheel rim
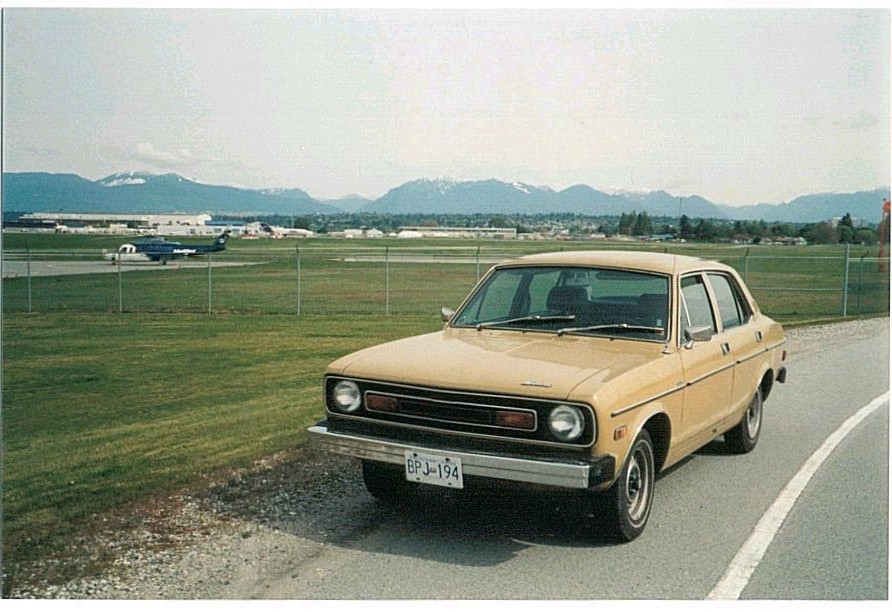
[[639, 477], [754, 416]]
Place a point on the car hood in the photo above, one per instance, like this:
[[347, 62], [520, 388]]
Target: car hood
[[499, 361]]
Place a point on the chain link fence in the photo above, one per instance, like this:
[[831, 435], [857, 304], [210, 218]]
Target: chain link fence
[[790, 283]]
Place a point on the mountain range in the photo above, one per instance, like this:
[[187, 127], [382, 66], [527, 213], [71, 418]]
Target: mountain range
[[141, 192]]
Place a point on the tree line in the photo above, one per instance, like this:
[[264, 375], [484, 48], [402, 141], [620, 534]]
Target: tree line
[[635, 224]]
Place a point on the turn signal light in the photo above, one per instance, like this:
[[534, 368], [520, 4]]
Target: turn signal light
[[516, 420], [381, 403]]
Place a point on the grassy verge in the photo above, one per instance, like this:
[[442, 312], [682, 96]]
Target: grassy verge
[[102, 410]]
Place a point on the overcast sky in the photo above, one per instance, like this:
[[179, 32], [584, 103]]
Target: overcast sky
[[738, 106]]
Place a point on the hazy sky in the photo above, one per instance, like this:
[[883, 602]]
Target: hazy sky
[[738, 106]]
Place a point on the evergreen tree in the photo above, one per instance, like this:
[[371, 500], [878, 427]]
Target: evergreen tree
[[626, 223], [705, 230], [685, 231], [642, 225]]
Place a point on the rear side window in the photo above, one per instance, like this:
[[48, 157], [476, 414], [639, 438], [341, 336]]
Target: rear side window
[[696, 310], [732, 310]]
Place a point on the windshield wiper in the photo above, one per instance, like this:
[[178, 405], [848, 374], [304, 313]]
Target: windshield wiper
[[527, 319], [620, 326]]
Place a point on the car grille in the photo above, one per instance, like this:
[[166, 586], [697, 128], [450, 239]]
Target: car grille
[[475, 415]]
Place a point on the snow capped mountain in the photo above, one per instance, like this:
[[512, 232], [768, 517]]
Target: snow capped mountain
[[431, 196], [286, 192], [122, 179], [125, 178], [145, 192]]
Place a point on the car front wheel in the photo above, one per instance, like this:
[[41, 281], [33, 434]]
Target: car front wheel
[[628, 502]]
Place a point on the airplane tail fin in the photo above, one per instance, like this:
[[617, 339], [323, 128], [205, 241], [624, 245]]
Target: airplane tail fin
[[220, 242]]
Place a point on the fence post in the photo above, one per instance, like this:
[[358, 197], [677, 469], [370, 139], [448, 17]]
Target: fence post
[[28, 258], [120, 285], [746, 265], [210, 291], [861, 279], [387, 281], [478, 263], [297, 257], [845, 284]]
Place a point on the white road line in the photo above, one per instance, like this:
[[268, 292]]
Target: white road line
[[741, 568]]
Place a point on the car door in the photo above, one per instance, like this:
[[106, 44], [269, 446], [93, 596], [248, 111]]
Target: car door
[[708, 367], [743, 341]]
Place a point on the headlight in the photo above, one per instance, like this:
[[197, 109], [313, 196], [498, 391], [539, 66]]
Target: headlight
[[566, 423], [346, 396]]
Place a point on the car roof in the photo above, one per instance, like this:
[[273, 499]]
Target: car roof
[[664, 263]]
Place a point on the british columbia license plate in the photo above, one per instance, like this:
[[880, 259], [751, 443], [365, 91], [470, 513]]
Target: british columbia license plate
[[440, 470]]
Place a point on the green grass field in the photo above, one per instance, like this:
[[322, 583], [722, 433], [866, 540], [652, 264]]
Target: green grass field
[[351, 277], [102, 408]]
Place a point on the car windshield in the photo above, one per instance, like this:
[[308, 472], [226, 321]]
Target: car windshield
[[571, 300]]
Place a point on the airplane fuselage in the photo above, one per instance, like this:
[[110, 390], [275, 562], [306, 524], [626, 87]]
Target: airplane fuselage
[[159, 249]]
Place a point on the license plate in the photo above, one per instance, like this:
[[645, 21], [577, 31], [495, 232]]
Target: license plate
[[439, 470]]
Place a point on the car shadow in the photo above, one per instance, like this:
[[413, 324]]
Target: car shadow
[[485, 524], [715, 448]]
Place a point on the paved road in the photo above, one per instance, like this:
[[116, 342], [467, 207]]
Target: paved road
[[19, 269]]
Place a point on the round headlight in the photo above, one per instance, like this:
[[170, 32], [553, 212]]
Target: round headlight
[[346, 396], [566, 423]]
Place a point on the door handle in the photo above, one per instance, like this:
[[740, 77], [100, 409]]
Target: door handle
[[758, 335], [726, 348]]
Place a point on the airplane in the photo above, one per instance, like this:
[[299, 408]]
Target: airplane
[[160, 249]]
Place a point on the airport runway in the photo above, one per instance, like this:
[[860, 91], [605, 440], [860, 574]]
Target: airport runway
[[19, 269]]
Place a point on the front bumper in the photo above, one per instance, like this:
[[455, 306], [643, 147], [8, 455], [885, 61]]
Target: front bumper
[[568, 474]]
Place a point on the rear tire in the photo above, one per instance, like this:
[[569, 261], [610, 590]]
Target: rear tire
[[387, 482], [744, 436], [628, 502]]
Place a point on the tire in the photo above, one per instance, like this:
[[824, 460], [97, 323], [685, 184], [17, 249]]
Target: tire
[[744, 436], [387, 483], [628, 502]]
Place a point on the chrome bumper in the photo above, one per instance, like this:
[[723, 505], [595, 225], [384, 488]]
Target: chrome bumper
[[569, 474]]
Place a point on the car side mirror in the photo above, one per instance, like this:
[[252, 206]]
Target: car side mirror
[[697, 334], [446, 314]]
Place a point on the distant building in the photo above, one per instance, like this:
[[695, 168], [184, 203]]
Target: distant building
[[506, 233], [132, 220], [797, 241], [358, 233], [171, 224]]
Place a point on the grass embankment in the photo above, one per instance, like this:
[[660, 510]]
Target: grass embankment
[[102, 410]]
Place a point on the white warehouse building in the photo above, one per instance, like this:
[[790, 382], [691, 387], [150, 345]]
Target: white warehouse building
[[508, 233]]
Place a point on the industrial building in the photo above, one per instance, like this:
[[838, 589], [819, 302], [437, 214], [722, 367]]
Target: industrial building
[[507, 233]]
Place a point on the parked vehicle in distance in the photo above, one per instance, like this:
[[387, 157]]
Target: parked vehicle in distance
[[577, 370]]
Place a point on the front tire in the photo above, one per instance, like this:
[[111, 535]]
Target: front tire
[[629, 500], [744, 436]]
